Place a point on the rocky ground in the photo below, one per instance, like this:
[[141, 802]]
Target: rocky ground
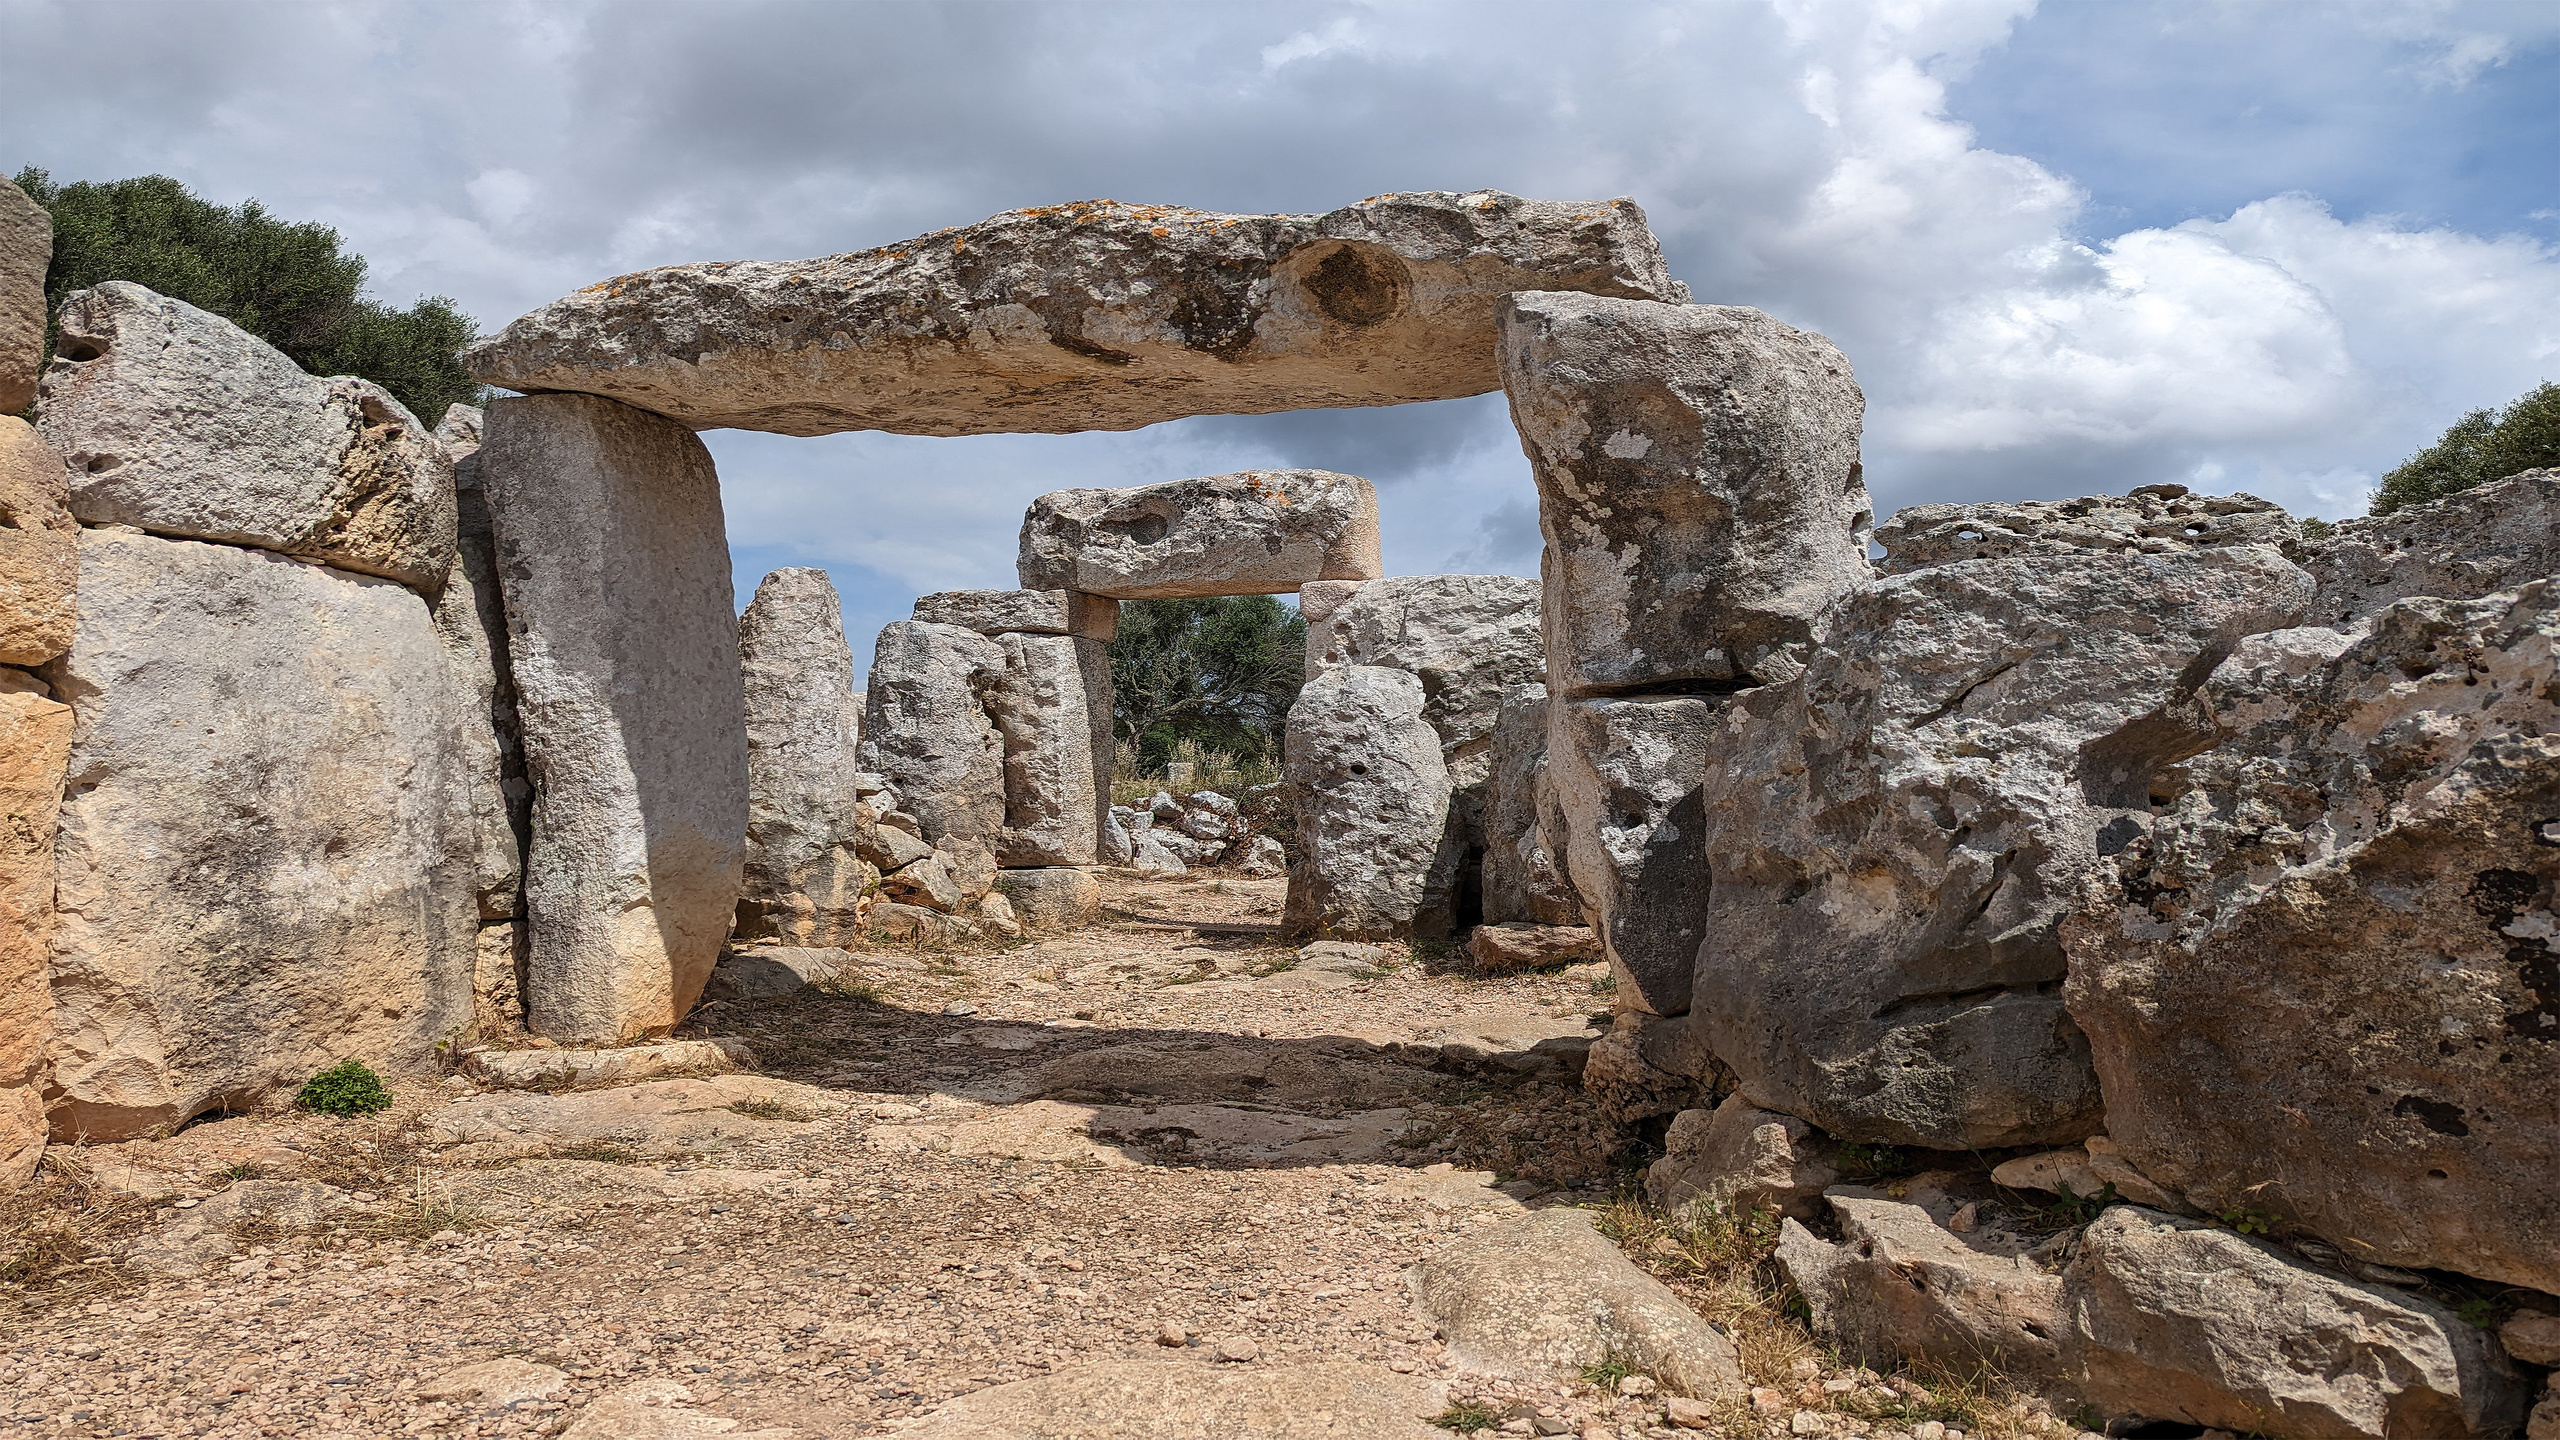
[[1169, 1140]]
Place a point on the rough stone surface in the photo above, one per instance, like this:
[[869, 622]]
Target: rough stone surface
[[926, 729], [2174, 1319], [35, 744], [2532, 1337], [1522, 878], [1627, 777], [657, 1410], [1895, 837], [767, 972], [26, 249], [265, 862], [471, 616], [497, 982], [2086, 1169], [1511, 946], [196, 1240], [2324, 983], [1052, 711], [1053, 899], [184, 424], [1371, 796], [557, 1069], [1901, 1289], [1742, 1156], [1179, 1400], [1470, 639], [1698, 487], [39, 547], [1088, 316], [804, 872], [1031, 612], [1251, 533], [615, 563], [496, 1384], [2488, 538], [1545, 1293], [2153, 520]]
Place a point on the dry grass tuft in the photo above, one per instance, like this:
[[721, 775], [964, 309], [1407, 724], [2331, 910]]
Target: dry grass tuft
[[59, 1235]]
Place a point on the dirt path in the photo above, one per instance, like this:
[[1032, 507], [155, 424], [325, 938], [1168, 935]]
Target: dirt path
[[950, 1173]]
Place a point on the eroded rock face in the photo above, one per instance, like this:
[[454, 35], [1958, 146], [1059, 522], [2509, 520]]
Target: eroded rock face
[[39, 550], [2323, 982], [2174, 1319], [1900, 1289], [1256, 532], [1742, 1156], [2488, 538], [1627, 775], [471, 618], [1524, 877], [265, 862], [184, 424], [1052, 710], [926, 730], [35, 745], [803, 872], [2152, 520], [1895, 837], [615, 563], [26, 249], [1032, 612], [1371, 796], [1088, 316], [1698, 487]]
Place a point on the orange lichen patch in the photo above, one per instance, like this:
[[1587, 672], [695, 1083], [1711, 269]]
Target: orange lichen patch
[[1160, 232]]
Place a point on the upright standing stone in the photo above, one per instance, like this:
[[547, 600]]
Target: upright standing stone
[[1628, 775], [1523, 878], [1371, 795], [1053, 710], [1258, 532], [184, 424], [471, 619], [39, 548], [265, 861], [35, 743], [925, 729], [803, 877], [615, 563], [26, 251]]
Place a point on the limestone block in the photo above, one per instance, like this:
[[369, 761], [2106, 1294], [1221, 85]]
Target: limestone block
[[265, 861], [2085, 1170], [1147, 1399], [927, 883], [1900, 1290], [972, 863], [1895, 837], [616, 570], [1052, 710], [804, 872], [1032, 612], [1257, 532], [627, 1065], [497, 982], [1053, 899], [472, 618], [1698, 487], [2485, 539], [1511, 947], [2320, 982], [1627, 776], [1743, 1156], [2153, 520], [26, 250], [1523, 879], [184, 424], [35, 744], [1090, 316], [2175, 1319], [1471, 639], [1371, 796], [926, 730], [39, 558]]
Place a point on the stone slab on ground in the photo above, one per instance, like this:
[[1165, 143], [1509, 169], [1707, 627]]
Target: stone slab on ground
[[1519, 1043], [1256, 532], [1095, 315], [1181, 1400], [562, 1069], [654, 1118], [626, 666], [771, 971], [1744, 1157], [1899, 1289], [660, 1410]]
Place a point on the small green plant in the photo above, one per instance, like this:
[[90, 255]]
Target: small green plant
[[1468, 1416], [2246, 1220], [1607, 1374], [2479, 1312], [2315, 528], [242, 1171], [347, 1088], [767, 1107], [1604, 985], [845, 987], [1868, 1163], [2073, 1208]]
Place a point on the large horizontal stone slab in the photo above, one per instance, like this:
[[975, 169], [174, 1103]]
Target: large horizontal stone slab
[[1088, 316], [1257, 532], [1027, 612], [184, 424], [265, 861]]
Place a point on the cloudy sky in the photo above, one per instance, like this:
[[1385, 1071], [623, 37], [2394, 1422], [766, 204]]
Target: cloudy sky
[[2075, 248]]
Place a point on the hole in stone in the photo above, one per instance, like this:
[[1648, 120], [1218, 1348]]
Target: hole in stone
[[78, 350], [1359, 769], [101, 464], [1358, 285]]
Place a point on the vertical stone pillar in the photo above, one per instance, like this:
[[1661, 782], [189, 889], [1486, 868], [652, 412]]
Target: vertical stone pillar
[[803, 876], [35, 743], [1702, 501], [614, 561], [26, 250]]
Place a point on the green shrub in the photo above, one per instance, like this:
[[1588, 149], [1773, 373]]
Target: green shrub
[[347, 1088], [2478, 448]]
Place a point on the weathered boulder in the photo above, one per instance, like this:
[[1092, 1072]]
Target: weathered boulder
[[2172, 1319], [1149, 856], [1371, 797], [1181, 1400], [185, 424], [1261, 858], [1627, 775], [1744, 1157], [925, 729], [928, 883], [1523, 879], [2475, 542], [1251, 533], [1511, 947], [1052, 710], [26, 250], [1899, 1289], [1894, 838], [1698, 487], [1546, 1293], [615, 563], [804, 873], [1470, 639], [2152, 520], [265, 861], [2084, 1170], [35, 744], [1032, 612], [39, 551], [1088, 316], [1053, 899], [2324, 980]]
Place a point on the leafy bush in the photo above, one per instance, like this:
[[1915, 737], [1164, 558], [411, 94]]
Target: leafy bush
[[2478, 448], [347, 1088], [1220, 673]]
